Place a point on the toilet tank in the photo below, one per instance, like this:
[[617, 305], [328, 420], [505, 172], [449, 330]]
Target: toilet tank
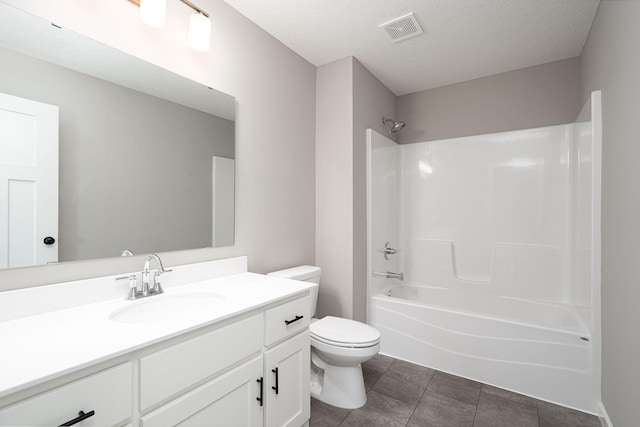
[[304, 273]]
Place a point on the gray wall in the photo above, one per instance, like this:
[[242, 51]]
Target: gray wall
[[543, 95], [371, 101], [126, 159], [275, 203], [334, 194], [611, 62], [349, 100]]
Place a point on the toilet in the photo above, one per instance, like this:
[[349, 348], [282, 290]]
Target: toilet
[[338, 348]]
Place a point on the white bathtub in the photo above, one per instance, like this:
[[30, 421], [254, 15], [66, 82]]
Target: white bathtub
[[541, 350], [556, 317]]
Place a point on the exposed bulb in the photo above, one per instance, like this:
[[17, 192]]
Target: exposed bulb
[[153, 12], [199, 32]]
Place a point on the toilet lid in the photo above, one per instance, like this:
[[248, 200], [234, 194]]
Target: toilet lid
[[344, 332]]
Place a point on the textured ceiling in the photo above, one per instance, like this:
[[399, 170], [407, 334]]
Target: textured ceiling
[[462, 40]]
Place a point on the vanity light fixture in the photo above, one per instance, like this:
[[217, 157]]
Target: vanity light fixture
[[153, 13]]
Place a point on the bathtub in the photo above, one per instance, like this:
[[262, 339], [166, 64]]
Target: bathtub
[[530, 347]]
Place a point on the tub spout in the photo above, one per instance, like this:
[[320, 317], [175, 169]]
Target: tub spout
[[390, 275]]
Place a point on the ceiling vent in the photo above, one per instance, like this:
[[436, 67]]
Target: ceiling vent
[[402, 28]]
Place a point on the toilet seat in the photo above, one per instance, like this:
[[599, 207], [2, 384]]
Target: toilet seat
[[345, 345], [346, 333]]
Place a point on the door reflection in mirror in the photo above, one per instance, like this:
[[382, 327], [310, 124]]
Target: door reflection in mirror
[[28, 182]]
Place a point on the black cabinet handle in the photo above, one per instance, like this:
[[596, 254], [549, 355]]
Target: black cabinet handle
[[259, 399], [81, 417], [275, 371], [49, 240], [295, 319]]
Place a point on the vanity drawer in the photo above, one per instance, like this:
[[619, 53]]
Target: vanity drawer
[[109, 394], [172, 370], [286, 320]]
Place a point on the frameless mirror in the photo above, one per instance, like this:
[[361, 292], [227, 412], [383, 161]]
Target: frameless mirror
[[145, 156]]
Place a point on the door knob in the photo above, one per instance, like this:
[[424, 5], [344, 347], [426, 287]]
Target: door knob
[[49, 240]]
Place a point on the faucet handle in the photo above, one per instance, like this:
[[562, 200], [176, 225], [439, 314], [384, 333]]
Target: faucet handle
[[157, 287], [133, 285], [388, 250]]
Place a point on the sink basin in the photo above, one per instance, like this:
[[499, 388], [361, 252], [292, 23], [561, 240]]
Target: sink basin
[[169, 308]]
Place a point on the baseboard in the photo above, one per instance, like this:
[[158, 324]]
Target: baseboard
[[604, 417]]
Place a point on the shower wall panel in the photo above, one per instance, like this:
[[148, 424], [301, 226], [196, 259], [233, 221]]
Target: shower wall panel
[[384, 204], [490, 213], [582, 287]]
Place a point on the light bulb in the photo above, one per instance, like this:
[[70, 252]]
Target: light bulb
[[153, 12], [199, 32]]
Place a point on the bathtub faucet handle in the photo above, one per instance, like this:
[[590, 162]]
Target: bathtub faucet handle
[[388, 250], [392, 275]]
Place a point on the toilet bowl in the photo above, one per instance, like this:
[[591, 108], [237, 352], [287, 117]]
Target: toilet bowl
[[338, 348]]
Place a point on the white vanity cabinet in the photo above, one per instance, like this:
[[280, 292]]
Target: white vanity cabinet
[[251, 370], [271, 390], [287, 364], [245, 365]]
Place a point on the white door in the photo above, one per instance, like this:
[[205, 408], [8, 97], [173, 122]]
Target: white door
[[28, 182]]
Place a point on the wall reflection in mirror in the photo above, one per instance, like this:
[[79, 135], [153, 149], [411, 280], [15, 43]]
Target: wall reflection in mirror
[[145, 156]]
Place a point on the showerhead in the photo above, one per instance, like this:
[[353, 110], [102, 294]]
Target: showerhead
[[397, 126]]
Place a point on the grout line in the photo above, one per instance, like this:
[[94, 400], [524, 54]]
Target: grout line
[[475, 413], [474, 416], [420, 399], [412, 412]]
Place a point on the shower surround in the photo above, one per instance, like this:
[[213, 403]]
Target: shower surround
[[499, 242]]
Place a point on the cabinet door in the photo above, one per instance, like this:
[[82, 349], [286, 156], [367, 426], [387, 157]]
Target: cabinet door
[[287, 387], [229, 400]]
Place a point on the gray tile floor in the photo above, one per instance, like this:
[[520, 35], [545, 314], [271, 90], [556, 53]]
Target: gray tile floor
[[403, 394]]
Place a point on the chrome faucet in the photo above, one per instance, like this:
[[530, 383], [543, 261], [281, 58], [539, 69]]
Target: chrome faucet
[[157, 288], [146, 290]]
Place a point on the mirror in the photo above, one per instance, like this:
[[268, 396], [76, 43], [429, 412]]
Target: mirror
[[145, 156]]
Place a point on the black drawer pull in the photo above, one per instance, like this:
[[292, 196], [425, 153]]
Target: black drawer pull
[[295, 319], [81, 417], [259, 399], [276, 388]]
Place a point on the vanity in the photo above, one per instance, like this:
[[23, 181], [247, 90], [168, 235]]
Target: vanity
[[220, 346]]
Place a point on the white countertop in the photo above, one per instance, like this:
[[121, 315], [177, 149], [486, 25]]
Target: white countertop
[[38, 348]]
